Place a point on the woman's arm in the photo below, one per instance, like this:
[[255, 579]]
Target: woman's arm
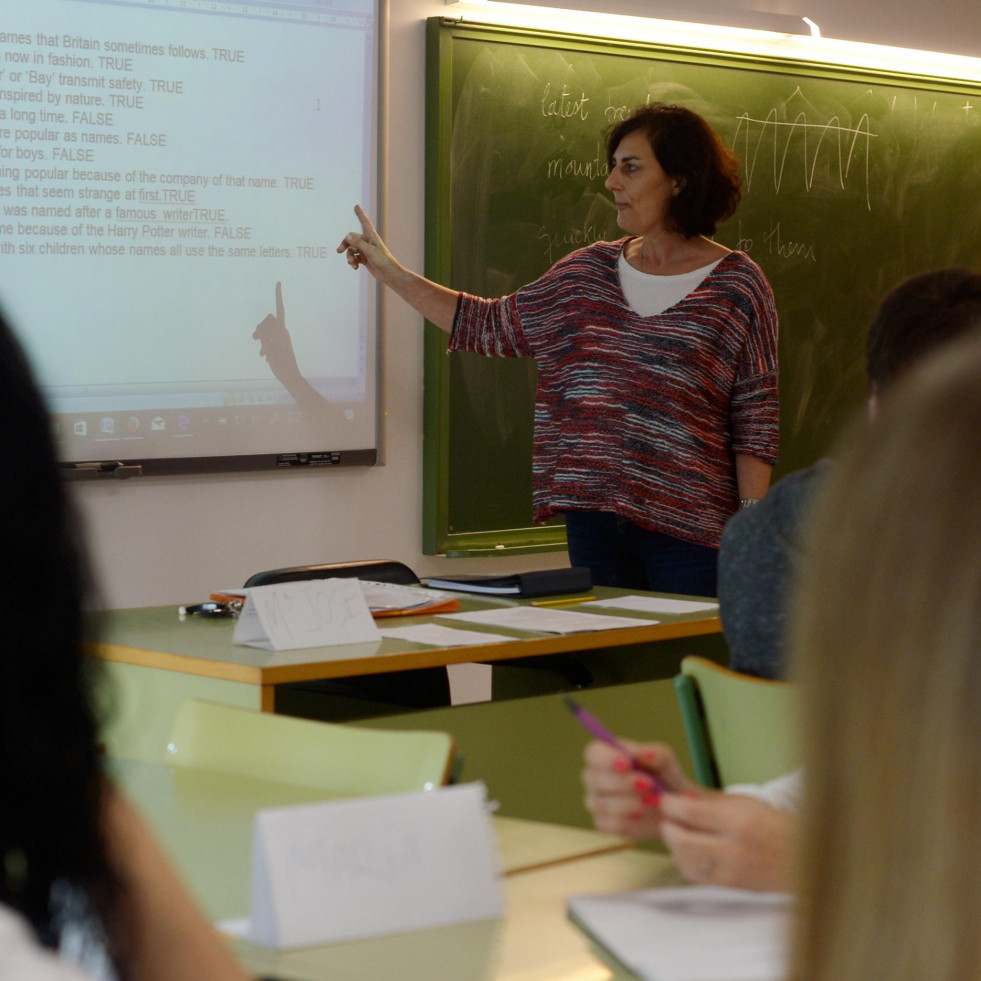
[[365, 248], [167, 937], [752, 477]]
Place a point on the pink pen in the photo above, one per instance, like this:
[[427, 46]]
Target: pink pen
[[590, 722]]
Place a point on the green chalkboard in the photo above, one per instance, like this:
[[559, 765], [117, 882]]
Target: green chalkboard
[[853, 180]]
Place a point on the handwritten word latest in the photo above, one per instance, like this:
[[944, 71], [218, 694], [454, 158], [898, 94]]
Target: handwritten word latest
[[564, 104]]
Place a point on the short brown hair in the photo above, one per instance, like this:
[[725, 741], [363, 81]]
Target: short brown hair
[[918, 315], [689, 150]]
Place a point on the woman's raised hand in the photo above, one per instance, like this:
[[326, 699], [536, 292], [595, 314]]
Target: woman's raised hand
[[366, 248]]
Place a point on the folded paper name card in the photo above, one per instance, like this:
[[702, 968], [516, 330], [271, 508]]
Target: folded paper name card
[[341, 870], [311, 613]]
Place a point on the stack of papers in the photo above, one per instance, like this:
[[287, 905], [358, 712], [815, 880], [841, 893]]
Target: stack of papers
[[392, 600]]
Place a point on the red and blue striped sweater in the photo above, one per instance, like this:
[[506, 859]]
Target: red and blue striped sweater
[[637, 415]]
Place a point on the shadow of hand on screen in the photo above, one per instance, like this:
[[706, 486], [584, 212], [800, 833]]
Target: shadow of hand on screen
[[276, 346]]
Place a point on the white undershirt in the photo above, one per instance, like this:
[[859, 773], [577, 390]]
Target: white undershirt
[[23, 959], [784, 792], [650, 295]]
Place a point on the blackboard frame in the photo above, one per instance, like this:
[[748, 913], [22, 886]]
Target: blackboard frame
[[442, 532]]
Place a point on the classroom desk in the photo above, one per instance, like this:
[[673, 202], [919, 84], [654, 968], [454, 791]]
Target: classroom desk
[[156, 659], [204, 820]]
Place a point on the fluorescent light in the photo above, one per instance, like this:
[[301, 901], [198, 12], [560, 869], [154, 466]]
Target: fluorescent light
[[791, 45], [711, 12]]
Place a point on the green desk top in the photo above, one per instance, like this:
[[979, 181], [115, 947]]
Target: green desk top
[[204, 821], [158, 637]]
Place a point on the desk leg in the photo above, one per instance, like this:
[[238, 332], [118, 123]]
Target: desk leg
[[267, 698]]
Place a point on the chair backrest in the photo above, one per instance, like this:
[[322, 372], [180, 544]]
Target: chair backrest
[[345, 761], [373, 570], [740, 729]]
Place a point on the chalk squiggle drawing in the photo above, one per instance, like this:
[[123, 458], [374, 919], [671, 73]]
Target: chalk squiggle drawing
[[849, 142]]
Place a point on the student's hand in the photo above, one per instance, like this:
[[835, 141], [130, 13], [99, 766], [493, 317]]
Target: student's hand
[[729, 839], [366, 248], [623, 800]]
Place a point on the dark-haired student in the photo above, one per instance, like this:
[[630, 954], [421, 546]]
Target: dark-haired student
[[761, 549], [656, 410], [80, 874]]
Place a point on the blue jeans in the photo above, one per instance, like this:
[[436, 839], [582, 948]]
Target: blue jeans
[[621, 553]]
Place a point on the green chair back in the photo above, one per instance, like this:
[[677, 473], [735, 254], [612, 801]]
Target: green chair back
[[344, 761], [740, 729]]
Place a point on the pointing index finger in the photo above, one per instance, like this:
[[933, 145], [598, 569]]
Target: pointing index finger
[[367, 228], [280, 309]]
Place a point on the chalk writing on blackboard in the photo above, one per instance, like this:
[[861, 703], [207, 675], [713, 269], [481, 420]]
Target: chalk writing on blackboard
[[850, 147], [852, 181]]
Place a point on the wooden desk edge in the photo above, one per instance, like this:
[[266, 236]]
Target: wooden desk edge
[[562, 860], [429, 657], [204, 667]]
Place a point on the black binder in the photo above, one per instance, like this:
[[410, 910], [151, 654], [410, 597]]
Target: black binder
[[542, 582]]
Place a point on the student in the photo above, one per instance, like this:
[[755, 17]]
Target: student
[[737, 838], [78, 864], [887, 646], [761, 548], [656, 410]]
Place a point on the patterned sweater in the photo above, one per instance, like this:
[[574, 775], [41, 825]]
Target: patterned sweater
[[639, 415]]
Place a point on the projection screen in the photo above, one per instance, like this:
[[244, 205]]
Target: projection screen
[[175, 176]]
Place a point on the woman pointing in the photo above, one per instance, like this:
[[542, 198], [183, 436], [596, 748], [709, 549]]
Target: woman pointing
[[656, 412]]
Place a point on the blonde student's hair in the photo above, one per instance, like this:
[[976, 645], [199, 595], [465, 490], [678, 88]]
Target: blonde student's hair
[[887, 648]]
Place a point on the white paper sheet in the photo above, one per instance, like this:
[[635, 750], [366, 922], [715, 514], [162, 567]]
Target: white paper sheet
[[692, 933], [653, 604], [436, 635], [544, 620]]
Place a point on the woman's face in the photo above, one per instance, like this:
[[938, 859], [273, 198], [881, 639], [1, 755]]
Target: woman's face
[[642, 191]]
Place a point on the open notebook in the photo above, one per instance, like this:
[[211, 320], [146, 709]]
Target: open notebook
[[691, 933]]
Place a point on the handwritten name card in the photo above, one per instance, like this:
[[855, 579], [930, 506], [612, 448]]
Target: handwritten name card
[[312, 613], [341, 870]]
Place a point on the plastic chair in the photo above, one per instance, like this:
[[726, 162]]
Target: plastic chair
[[346, 761], [373, 570], [740, 729], [422, 688]]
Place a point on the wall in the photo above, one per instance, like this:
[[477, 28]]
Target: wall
[[171, 540]]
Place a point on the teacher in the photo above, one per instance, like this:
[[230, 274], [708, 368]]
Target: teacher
[[656, 411]]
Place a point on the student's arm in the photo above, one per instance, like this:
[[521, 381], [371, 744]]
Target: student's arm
[[729, 840], [168, 937], [365, 248]]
